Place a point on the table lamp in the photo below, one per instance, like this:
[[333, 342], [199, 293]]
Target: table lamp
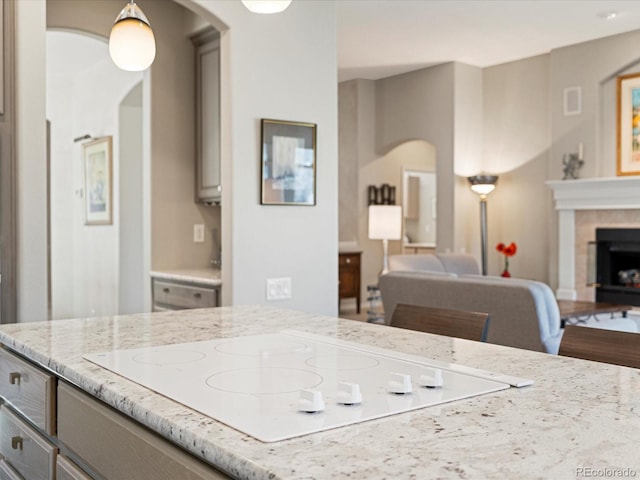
[[385, 223]]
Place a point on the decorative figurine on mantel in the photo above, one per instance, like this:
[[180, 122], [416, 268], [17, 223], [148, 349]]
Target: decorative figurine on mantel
[[572, 164]]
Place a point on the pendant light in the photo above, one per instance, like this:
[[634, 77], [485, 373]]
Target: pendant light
[[132, 45], [266, 6]]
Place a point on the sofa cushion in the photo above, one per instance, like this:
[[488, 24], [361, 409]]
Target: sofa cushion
[[418, 263], [545, 303], [459, 263]]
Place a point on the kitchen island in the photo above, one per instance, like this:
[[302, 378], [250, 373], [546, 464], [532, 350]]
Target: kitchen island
[[578, 416]]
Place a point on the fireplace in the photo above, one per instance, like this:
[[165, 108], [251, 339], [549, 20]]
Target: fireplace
[[618, 265]]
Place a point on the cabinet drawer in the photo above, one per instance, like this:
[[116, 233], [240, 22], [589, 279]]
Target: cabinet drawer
[[29, 390], [89, 429], [67, 470], [24, 449], [349, 260], [8, 473], [184, 296]]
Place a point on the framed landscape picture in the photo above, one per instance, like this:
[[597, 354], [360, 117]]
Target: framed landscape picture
[[628, 134], [98, 188], [288, 163]]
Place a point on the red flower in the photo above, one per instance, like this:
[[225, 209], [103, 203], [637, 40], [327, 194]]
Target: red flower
[[500, 247], [510, 251]]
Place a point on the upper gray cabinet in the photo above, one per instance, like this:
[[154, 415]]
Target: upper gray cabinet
[[208, 184]]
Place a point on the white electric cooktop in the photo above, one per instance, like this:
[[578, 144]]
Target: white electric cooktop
[[279, 386]]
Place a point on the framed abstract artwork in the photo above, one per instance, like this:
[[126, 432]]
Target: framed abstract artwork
[[628, 131], [288, 163], [98, 181]]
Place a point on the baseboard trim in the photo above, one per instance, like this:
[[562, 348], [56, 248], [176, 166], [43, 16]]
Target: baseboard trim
[[566, 294]]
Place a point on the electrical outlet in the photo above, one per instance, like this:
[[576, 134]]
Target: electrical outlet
[[198, 233], [278, 288]]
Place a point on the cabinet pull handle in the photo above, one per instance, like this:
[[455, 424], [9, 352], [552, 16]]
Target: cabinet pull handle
[[197, 295], [165, 290], [14, 377], [16, 443], [348, 260]]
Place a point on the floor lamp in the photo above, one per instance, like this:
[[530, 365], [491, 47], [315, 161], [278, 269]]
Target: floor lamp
[[385, 223], [483, 185]]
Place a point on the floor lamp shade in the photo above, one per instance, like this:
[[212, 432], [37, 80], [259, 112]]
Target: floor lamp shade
[[385, 223]]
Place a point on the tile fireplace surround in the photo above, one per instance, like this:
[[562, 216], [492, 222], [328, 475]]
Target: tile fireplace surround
[[584, 205]]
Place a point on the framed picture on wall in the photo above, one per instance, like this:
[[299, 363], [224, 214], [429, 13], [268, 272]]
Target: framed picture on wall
[[628, 135], [288, 163], [98, 181]]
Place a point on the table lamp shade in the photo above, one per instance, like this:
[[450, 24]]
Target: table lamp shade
[[385, 222]]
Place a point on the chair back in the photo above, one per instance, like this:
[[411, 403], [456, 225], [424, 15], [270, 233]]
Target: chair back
[[441, 321], [600, 345]]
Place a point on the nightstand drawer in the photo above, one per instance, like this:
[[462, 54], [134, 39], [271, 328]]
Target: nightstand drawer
[[29, 390], [349, 260], [25, 449], [183, 296]]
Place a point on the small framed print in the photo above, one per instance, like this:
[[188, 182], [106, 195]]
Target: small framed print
[[98, 188], [628, 125], [288, 163]]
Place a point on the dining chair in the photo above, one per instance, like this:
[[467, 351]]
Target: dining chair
[[600, 345], [441, 321]]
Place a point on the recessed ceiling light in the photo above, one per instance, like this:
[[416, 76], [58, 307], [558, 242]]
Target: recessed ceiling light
[[608, 15]]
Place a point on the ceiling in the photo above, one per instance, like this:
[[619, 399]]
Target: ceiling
[[381, 38]]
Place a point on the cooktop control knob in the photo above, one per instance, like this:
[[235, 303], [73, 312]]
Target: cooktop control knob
[[399, 383], [432, 378], [349, 393], [311, 401]]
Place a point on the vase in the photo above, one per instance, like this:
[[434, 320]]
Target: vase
[[506, 274]]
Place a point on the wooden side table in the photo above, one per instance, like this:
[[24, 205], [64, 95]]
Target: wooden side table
[[349, 277]]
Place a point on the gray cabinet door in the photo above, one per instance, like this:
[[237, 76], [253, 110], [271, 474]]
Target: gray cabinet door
[[208, 110]]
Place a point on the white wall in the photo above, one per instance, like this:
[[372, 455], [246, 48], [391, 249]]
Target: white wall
[[85, 258], [131, 278], [284, 67], [31, 162]]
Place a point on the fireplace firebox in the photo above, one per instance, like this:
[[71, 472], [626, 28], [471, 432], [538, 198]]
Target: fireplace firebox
[[618, 265]]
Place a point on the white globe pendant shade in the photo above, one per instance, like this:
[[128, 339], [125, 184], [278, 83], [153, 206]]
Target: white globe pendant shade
[[132, 45], [266, 6]]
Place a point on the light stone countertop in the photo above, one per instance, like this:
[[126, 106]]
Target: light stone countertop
[[205, 276], [577, 415]]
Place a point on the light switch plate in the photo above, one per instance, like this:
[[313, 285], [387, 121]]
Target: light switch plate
[[198, 233]]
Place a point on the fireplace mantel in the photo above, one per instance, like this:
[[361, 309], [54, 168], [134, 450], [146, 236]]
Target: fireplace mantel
[[585, 194]]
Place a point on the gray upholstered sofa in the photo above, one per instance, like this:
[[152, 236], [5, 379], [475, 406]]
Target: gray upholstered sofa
[[523, 313]]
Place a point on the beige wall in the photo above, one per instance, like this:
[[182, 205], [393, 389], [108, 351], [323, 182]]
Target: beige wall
[[420, 106], [516, 137], [348, 161], [468, 111], [523, 133], [361, 163]]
